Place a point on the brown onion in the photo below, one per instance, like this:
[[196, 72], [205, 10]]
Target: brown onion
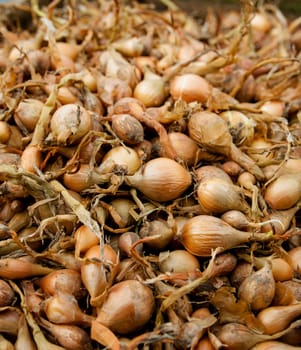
[[63, 308], [258, 289], [151, 91], [274, 345], [27, 113], [71, 337], [95, 267], [128, 300], [124, 157], [128, 128], [7, 294], [294, 255], [69, 124], [161, 179], [85, 238], [178, 261], [210, 131], [277, 318], [65, 280], [217, 196], [284, 192], [203, 233], [190, 87], [157, 234], [186, 149]]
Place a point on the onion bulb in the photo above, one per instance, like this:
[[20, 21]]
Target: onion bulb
[[203, 233], [217, 196], [124, 157], [258, 289], [274, 345], [69, 124], [284, 192], [161, 179], [152, 90], [277, 318], [128, 307], [211, 131], [190, 87]]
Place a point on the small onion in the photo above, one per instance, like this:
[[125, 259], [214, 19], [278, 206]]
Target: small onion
[[161, 179], [151, 91], [70, 123], [186, 149], [27, 113], [65, 280], [284, 192], [216, 196], [277, 318], [124, 157], [128, 307], [190, 87], [203, 233], [127, 128], [178, 261], [258, 289]]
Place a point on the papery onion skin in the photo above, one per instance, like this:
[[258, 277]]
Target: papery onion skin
[[128, 307], [161, 179]]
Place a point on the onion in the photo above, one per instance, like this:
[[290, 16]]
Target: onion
[[7, 294], [186, 149], [63, 308], [69, 124], [127, 300], [202, 234], [18, 268], [294, 255], [125, 242], [85, 177], [121, 211], [217, 196], [240, 126], [241, 271], [27, 113], [273, 345], [258, 289], [239, 337], [9, 320], [152, 90], [31, 158], [71, 337], [210, 131], [284, 192], [157, 234], [5, 132], [127, 128], [205, 344], [277, 318], [125, 158], [190, 87], [24, 339], [161, 179], [178, 261], [212, 172], [96, 268], [85, 238], [65, 280]]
